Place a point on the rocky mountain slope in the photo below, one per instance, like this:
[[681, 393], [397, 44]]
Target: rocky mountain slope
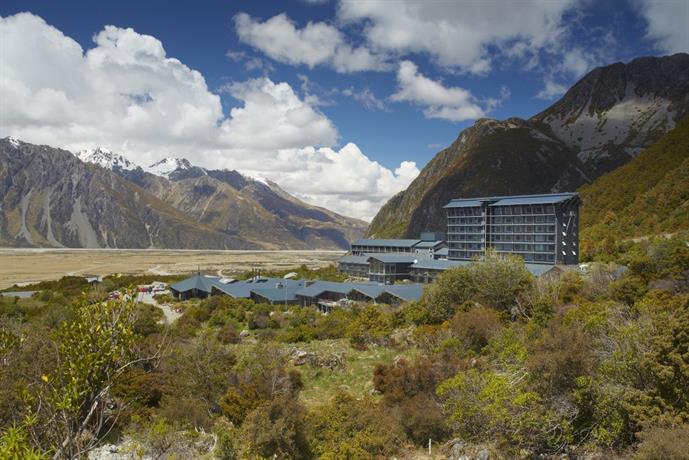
[[601, 123], [654, 201], [52, 198]]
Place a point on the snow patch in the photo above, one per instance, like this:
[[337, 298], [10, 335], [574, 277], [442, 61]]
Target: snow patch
[[167, 166], [106, 159], [14, 141]]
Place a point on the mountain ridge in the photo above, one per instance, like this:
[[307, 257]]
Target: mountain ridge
[[208, 209], [606, 118]]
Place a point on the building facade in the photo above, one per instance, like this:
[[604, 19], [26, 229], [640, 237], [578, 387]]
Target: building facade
[[542, 229]]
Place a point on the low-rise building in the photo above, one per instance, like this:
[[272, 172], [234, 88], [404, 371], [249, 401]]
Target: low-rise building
[[354, 266], [388, 268], [324, 295], [383, 246]]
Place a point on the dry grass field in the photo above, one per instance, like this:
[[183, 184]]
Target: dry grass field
[[31, 265]]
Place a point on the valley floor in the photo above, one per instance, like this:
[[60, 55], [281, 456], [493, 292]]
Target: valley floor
[[34, 265]]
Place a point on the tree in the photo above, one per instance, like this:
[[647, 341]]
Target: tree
[[499, 280], [73, 407], [443, 298]]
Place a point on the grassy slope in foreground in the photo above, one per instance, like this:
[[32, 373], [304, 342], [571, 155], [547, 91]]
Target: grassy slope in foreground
[[647, 196]]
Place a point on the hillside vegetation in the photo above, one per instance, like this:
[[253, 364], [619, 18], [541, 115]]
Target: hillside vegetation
[[647, 196], [490, 363]]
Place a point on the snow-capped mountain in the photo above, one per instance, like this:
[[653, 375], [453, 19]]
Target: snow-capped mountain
[[62, 200], [106, 159], [169, 165]]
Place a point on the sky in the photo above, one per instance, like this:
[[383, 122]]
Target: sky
[[341, 102]]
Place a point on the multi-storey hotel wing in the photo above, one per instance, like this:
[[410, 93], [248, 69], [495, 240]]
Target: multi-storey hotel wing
[[542, 229]]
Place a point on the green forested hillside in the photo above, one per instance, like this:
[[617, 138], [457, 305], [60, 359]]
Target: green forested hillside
[[647, 196]]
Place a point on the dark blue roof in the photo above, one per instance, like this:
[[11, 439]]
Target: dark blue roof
[[350, 259], [550, 198], [278, 294], [199, 282], [394, 258], [544, 198], [386, 242], [406, 292], [462, 203], [428, 244]]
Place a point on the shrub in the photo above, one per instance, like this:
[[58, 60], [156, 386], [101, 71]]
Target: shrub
[[228, 334], [353, 429], [475, 327], [560, 355], [442, 298], [275, 429], [663, 443], [402, 380], [500, 280]]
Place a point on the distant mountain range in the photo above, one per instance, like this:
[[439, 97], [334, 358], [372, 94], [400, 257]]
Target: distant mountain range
[[604, 121], [97, 198]]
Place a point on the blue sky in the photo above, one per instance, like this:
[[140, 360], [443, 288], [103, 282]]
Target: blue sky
[[397, 79]]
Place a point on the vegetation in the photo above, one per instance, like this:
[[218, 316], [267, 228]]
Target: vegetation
[[590, 363], [616, 209]]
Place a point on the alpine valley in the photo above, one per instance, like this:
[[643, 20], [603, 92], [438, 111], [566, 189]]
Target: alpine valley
[[99, 199], [602, 123]]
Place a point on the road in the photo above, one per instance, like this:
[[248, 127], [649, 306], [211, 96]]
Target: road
[[170, 314]]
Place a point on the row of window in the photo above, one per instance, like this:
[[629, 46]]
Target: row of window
[[509, 238], [465, 220], [523, 229], [522, 209], [466, 237], [466, 229], [460, 212], [477, 246], [527, 256], [522, 219], [524, 247]]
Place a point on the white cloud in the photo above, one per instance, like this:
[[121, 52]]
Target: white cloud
[[341, 180], [317, 43], [127, 95], [551, 90], [668, 24], [458, 34], [452, 104], [366, 98]]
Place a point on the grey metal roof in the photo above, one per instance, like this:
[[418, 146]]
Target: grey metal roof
[[199, 282], [550, 198], [539, 269], [406, 292], [544, 198], [371, 291], [277, 294], [435, 264], [326, 286], [350, 259], [394, 258], [428, 244], [443, 252], [463, 203], [237, 289], [401, 243]]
